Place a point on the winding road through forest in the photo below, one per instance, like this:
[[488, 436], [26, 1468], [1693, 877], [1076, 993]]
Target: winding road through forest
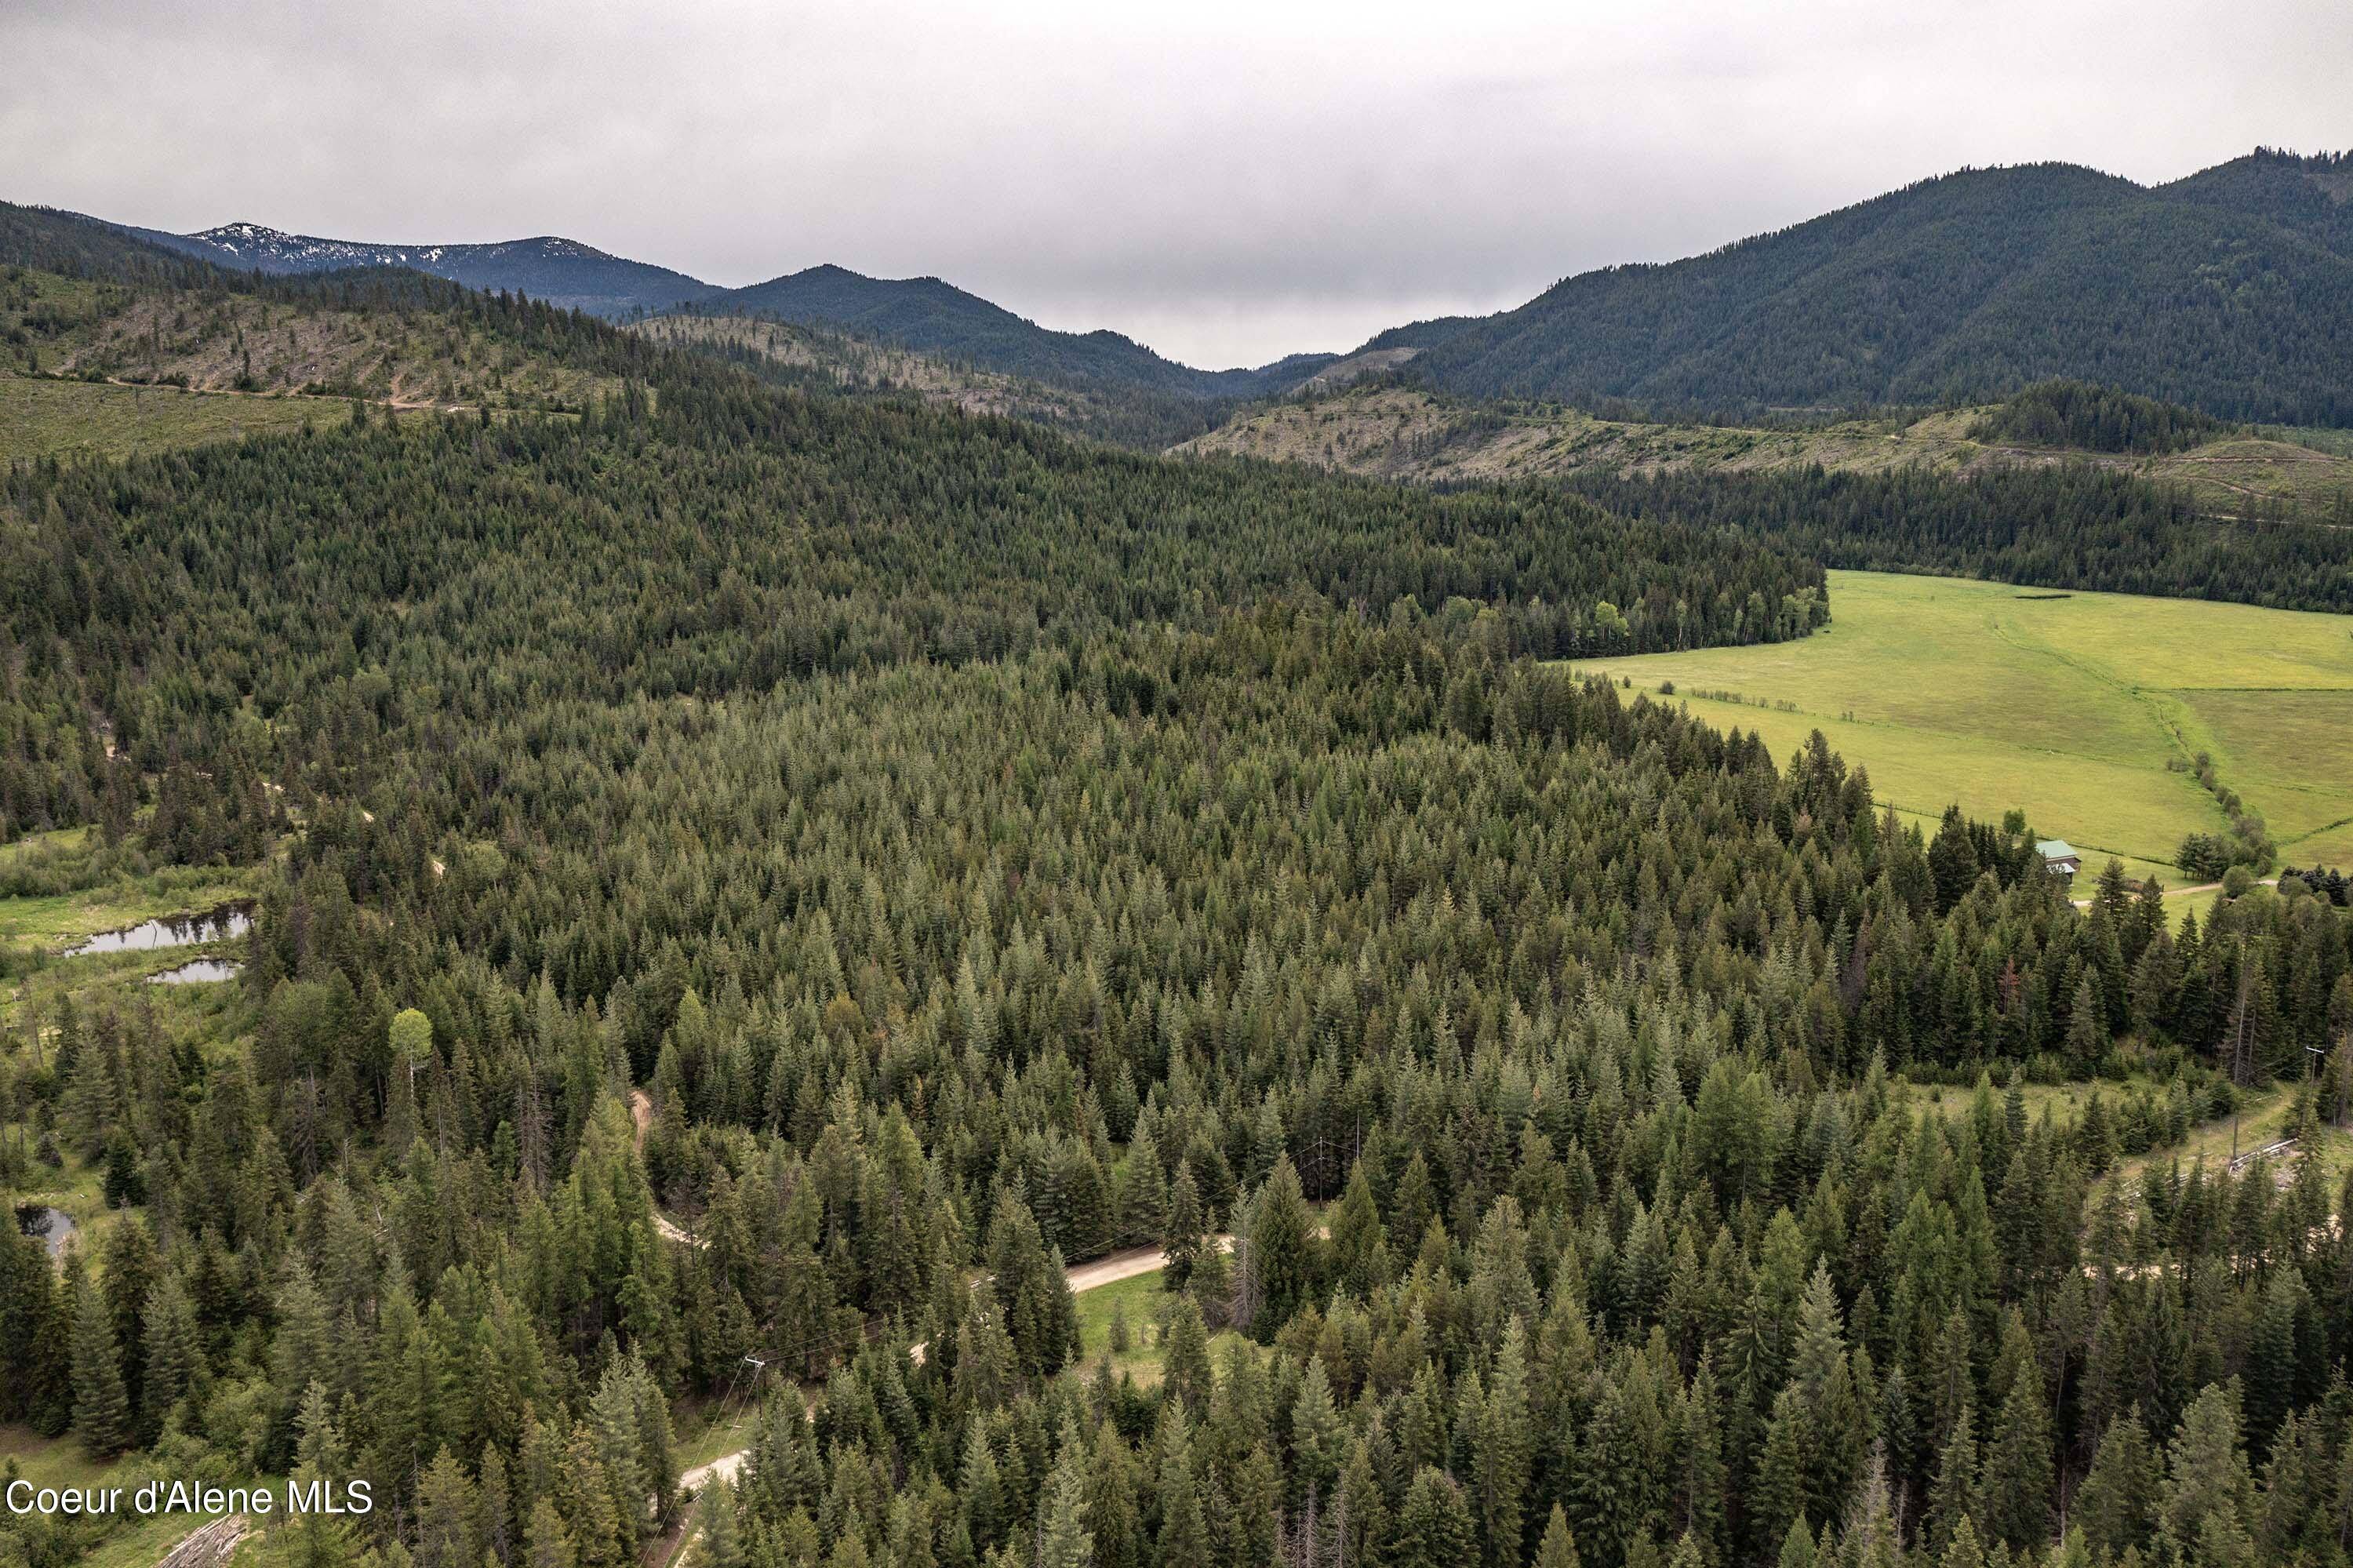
[[1092, 1274], [1109, 1270]]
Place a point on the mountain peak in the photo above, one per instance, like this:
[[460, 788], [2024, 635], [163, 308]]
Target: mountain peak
[[241, 233], [549, 267]]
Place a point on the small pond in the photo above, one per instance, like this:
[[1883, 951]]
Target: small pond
[[198, 972], [52, 1225], [170, 931]]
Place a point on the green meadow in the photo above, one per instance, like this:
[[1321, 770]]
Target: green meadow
[[43, 418], [87, 419], [2082, 709]]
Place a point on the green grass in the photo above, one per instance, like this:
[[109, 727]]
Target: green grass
[[2263, 1120], [2290, 753], [49, 1461], [2069, 708], [59, 1462], [83, 419], [2231, 475], [34, 847], [58, 919], [2064, 1101], [62, 917], [99, 890], [2200, 903], [1143, 1301], [715, 1430]]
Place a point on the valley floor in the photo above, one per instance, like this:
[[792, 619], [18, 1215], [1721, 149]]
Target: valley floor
[[2085, 710]]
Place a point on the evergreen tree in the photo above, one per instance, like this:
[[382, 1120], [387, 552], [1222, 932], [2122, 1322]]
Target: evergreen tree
[[2118, 1504], [1433, 1526], [1063, 1539], [2208, 1510], [176, 1365], [2015, 1489], [1954, 1495], [1559, 1548], [1186, 1362], [1280, 1257], [1319, 1438], [1506, 1453], [1184, 1539], [1181, 1243], [101, 1409], [722, 1545]]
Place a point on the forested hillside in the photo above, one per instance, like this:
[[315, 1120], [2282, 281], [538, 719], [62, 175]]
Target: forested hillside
[[109, 346], [716, 538], [822, 355], [375, 341], [934, 317], [2051, 528], [968, 850], [2089, 418], [2231, 291], [2063, 485], [822, 327]]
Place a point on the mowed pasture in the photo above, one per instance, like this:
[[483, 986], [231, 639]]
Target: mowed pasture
[[2082, 709]]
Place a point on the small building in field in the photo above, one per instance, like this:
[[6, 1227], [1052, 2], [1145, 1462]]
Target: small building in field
[[2060, 858]]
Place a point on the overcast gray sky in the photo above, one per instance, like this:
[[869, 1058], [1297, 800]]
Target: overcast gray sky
[[1226, 181]]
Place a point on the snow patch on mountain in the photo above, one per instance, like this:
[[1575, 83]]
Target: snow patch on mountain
[[274, 250]]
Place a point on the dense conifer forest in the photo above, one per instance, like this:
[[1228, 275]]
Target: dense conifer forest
[[2068, 526], [969, 852], [714, 537], [2227, 291], [2080, 415]]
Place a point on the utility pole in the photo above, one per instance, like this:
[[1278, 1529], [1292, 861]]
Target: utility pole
[[2239, 1047]]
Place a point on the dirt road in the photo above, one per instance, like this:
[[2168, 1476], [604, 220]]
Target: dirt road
[[1090, 1276], [641, 1113], [1118, 1266], [2177, 892]]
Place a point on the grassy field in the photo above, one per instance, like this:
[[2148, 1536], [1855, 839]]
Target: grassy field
[[1141, 1300], [86, 418], [2262, 1122], [2078, 709], [138, 1541]]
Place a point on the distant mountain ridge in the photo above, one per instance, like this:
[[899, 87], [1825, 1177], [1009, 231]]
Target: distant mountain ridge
[[935, 317], [924, 314], [2230, 290], [547, 267]]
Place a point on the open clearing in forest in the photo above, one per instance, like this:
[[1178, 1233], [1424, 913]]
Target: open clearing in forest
[[2267, 1116], [1406, 432], [2082, 709], [59, 1462], [92, 418]]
